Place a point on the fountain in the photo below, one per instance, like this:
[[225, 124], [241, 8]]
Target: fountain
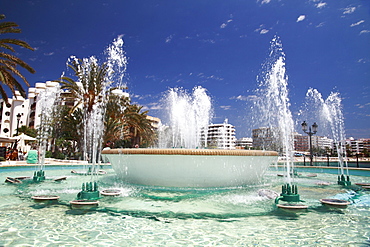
[[150, 215], [47, 101], [189, 117], [272, 109], [329, 114], [94, 85]]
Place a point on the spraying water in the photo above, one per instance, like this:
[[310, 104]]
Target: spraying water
[[95, 83], [273, 104], [46, 101], [333, 111], [188, 117], [328, 113]]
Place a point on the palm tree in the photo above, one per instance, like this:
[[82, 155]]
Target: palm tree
[[91, 93], [114, 116], [138, 127], [91, 83], [9, 62]]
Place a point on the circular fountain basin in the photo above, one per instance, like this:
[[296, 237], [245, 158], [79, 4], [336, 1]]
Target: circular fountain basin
[[111, 192], [190, 167], [363, 184], [23, 178], [45, 197], [12, 180], [84, 204], [323, 183], [335, 202], [292, 206]]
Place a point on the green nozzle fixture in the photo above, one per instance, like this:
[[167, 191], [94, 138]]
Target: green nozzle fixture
[[342, 180], [89, 191], [289, 193], [39, 176]]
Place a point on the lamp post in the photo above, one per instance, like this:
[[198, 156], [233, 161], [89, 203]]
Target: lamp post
[[310, 133], [18, 119]]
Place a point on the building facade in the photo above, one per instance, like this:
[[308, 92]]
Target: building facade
[[22, 112], [244, 143], [221, 136]]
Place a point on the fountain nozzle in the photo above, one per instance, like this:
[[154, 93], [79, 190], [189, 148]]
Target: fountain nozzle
[[39, 176], [89, 191], [289, 193], [342, 180]]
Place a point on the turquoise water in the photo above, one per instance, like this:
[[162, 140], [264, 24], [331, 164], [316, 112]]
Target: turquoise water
[[148, 216]]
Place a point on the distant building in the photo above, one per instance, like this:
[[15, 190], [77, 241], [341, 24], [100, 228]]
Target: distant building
[[358, 146], [221, 136], [28, 109], [268, 139], [244, 143], [265, 138], [155, 122], [16, 106], [302, 142]]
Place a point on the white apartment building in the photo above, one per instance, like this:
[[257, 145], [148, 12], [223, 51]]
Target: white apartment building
[[355, 146], [17, 107], [244, 142], [20, 111], [221, 136]]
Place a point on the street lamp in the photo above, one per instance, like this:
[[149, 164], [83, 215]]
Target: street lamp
[[310, 133], [18, 119]]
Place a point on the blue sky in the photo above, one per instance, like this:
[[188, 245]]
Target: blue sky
[[219, 45]]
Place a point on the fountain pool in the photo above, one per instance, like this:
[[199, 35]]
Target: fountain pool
[[150, 216], [190, 167]]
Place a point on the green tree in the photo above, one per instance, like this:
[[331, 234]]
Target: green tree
[[138, 127], [91, 85], [92, 90], [28, 131], [114, 118], [9, 63]]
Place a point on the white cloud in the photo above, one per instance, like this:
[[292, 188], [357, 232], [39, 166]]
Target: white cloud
[[49, 54], [362, 106], [169, 38], [215, 78], [245, 98], [357, 23], [241, 97], [154, 106], [321, 24], [225, 107], [301, 18], [223, 25], [349, 10], [362, 60], [264, 1], [261, 29], [321, 5], [365, 31], [212, 41]]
